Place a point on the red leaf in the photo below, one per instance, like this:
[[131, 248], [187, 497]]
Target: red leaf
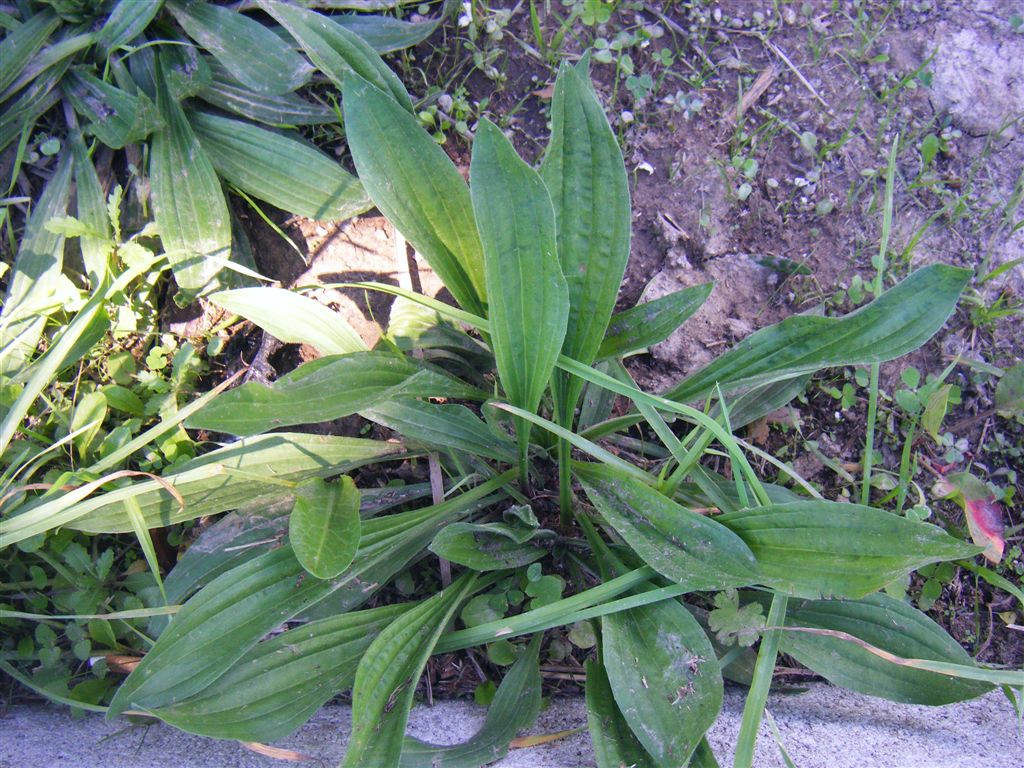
[[985, 521], [983, 513]]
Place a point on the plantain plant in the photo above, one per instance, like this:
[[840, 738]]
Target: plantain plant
[[511, 395], [192, 85]]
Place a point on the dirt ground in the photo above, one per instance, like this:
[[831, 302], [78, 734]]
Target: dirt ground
[[772, 188]]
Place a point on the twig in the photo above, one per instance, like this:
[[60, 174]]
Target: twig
[[799, 75], [757, 89], [437, 491], [785, 60]]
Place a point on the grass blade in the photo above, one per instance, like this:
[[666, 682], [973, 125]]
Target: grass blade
[[286, 109], [116, 117], [615, 745], [652, 322], [216, 482], [126, 22], [585, 175], [35, 275], [447, 426], [757, 697], [281, 682], [21, 44], [684, 546], [891, 626], [92, 212]]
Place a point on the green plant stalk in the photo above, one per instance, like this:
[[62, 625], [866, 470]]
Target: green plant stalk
[[686, 462], [904, 481], [134, 613], [145, 542], [565, 392], [523, 442], [883, 247], [701, 418], [994, 579], [869, 439], [762, 682], [548, 616], [564, 484], [535, 621]]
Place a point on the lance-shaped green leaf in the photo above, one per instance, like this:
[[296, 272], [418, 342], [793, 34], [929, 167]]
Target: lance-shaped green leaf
[[248, 471], [386, 34], [126, 22], [324, 389], [680, 544], [279, 684], [515, 707], [886, 623], [215, 627], [614, 743], [493, 546], [899, 321], [386, 678], [292, 318], [285, 109], [324, 526], [252, 53], [586, 178], [233, 612], [36, 273], [40, 95], [414, 183], [336, 51], [188, 204], [116, 117], [827, 549], [652, 322], [665, 678], [22, 43], [527, 293], [92, 212], [447, 426], [285, 172], [54, 58]]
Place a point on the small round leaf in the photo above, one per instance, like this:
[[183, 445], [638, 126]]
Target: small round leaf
[[324, 526]]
